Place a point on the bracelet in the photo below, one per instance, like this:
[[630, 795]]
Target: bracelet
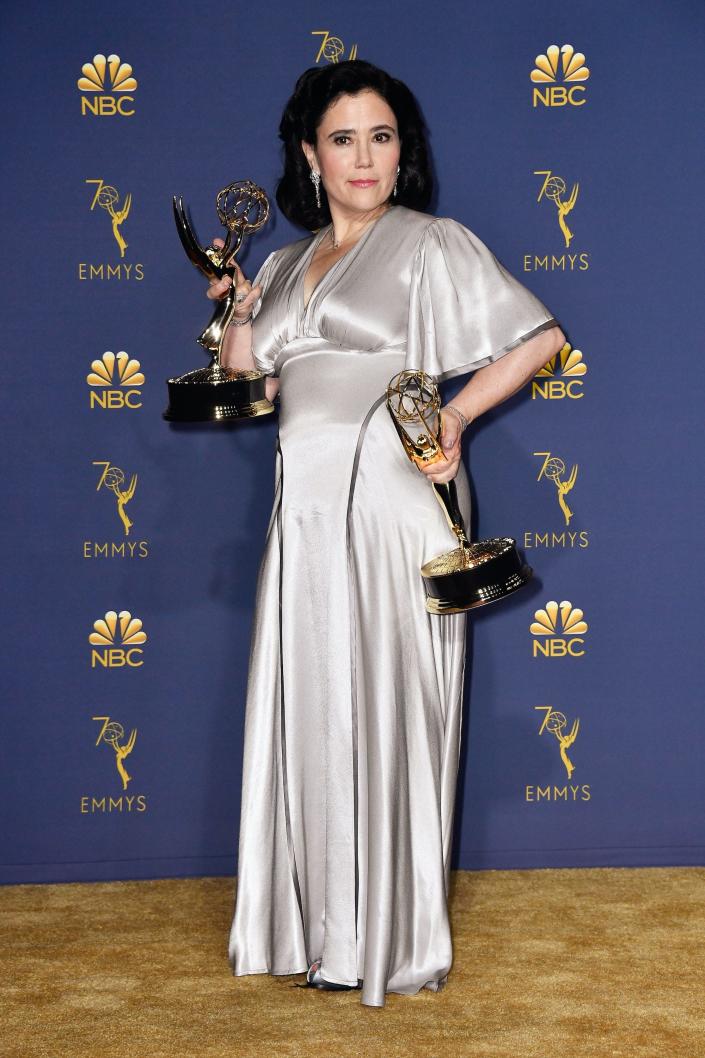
[[463, 421], [241, 323]]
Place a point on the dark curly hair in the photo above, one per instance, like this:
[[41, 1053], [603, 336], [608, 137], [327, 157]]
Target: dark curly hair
[[315, 90]]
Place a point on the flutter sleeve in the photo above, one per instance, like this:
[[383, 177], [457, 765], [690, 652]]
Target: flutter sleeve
[[265, 342], [465, 309]]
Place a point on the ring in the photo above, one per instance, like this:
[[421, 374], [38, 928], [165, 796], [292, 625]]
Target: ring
[[240, 297]]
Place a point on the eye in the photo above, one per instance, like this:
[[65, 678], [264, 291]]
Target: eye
[[342, 136], [385, 134]]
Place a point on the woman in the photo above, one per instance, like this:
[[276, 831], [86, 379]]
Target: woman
[[354, 694]]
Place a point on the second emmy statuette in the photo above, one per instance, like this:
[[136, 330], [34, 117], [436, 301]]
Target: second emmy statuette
[[473, 574], [216, 393]]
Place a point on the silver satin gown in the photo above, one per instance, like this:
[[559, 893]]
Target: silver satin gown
[[354, 694]]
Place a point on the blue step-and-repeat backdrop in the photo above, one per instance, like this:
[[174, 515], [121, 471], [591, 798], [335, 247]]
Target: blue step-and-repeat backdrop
[[566, 136]]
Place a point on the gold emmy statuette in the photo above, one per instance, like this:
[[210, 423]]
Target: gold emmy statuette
[[216, 393], [472, 575]]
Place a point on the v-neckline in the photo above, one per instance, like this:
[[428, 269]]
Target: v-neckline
[[320, 236]]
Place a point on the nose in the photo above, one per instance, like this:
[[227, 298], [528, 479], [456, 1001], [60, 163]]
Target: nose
[[362, 158]]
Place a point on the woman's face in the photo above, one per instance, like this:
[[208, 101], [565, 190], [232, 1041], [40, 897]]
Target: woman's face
[[357, 152]]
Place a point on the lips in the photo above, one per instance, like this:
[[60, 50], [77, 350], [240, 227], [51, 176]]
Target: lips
[[364, 183]]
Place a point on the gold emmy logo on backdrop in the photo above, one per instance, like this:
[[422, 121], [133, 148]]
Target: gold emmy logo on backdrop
[[120, 636], [567, 364], [101, 78], [556, 723], [113, 734], [331, 48], [545, 627], [553, 468], [472, 575], [113, 478], [553, 188], [103, 376], [564, 64], [107, 198]]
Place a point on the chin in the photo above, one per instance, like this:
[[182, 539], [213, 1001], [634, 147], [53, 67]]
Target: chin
[[363, 199], [367, 197]]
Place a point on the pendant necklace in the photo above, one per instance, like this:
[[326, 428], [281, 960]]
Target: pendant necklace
[[337, 244]]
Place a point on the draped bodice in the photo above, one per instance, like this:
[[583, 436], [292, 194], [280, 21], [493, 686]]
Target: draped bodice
[[425, 286]]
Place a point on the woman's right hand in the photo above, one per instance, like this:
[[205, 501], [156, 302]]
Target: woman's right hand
[[218, 288]]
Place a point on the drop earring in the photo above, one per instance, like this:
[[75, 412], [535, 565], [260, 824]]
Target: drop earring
[[316, 178], [394, 192]]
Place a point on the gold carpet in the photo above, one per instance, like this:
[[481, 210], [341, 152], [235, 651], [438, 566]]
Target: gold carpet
[[592, 963]]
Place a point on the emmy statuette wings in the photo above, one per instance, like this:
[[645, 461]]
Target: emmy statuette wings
[[472, 575], [216, 393]]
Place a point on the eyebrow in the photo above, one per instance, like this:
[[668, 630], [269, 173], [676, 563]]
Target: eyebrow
[[375, 128]]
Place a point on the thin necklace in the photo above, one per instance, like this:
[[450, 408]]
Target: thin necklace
[[337, 244]]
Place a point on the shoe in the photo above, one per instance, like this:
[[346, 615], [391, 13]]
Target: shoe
[[314, 979]]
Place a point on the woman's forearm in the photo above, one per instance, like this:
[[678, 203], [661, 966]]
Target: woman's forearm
[[497, 382], [237, 354], [236, 351]]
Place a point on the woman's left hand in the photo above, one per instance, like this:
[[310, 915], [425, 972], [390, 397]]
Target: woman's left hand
[[451, 434]]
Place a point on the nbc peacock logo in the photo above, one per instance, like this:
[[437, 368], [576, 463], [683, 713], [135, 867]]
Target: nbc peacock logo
[[564, 65], [117, 641], [106, 87], [558, 631], [115, 380], [561, 377]]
